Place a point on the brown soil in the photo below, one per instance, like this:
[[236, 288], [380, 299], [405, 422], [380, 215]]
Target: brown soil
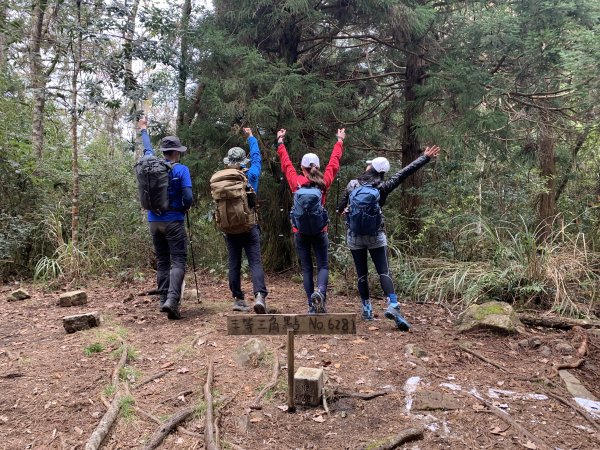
[[50, 390]]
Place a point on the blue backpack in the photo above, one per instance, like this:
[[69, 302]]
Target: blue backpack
[[364, 215], [308, 214]]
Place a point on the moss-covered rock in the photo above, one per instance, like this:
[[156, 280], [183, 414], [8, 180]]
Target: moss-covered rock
[[495, 316]]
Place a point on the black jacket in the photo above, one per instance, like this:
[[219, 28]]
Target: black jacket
[[386, 186]]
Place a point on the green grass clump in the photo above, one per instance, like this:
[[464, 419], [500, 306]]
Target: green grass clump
[[96, 347], [126, 408]]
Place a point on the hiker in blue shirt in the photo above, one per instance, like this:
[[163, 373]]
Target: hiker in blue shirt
[[168, 229], [249, 241], [372, 184]]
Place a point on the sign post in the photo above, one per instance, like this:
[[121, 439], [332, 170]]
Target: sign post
[[291, 325]]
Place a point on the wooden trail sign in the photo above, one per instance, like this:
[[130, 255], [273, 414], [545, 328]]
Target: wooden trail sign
[[290, 325]]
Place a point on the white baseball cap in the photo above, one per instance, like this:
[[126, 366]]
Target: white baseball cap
[[380, 164], [308, 159]]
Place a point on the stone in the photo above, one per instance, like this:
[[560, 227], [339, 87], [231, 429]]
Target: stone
[[73, 298], [308, 386], [494, 316], [19, 294], [413, 350], [535, 343], [545, 351], [575, 387], [431, 401], [81, 322], [563, 348], [524, 343], [250, 353]]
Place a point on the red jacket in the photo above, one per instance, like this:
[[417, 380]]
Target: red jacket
[[295, 180]]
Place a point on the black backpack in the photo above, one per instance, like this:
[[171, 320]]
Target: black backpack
[[153, 177]]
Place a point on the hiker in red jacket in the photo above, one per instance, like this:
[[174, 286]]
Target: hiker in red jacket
[[309, 217]]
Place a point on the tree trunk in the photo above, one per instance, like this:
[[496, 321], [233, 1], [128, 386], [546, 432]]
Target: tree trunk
[[3, 27], [411, 149], [186, 11], [74, 129], [546, 201], [38, 78], [130, 84]]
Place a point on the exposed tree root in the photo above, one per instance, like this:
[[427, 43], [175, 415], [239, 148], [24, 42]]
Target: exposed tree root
[[209, 428], [151, 378], [581, 352], [110, 416], [166, 427], [562, 323], [509, 420], [338, 393], [466, 349], [410, 434], [576, 408], [272, 383]]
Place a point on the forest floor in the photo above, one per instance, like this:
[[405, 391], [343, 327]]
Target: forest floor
[[50, 390]]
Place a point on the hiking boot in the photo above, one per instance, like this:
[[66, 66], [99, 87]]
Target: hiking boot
[[393, 313], [312, 309], [367, 310], [171, 307], [239, 304], [318, 302], [161, 303], [260, 307]]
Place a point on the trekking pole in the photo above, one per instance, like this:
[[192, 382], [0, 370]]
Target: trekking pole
[[187, 217]]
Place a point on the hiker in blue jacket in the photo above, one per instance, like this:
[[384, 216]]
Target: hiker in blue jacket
[[249, 242], [168, 228], [365, 230]]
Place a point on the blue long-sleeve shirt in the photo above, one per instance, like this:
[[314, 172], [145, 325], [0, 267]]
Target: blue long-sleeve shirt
[[253, 172], [180, 188]]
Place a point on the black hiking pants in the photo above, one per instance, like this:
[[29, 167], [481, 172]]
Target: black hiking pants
[[170, 244], [250, 243]]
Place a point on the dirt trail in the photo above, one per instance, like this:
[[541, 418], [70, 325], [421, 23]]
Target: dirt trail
[[51, 390]]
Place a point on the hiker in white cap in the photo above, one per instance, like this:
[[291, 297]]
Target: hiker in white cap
[[309, 216], [362, 202]]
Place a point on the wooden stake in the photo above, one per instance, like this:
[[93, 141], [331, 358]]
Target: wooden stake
[[290, 364]]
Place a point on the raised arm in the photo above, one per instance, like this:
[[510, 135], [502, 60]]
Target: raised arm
[[333, 166], [286, 163], [395, 180], [143, 126], [255, 159]]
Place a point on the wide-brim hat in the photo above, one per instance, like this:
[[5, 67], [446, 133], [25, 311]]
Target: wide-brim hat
[[235, 156], [170, 143]]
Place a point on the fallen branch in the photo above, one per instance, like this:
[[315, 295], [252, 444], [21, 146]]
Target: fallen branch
[[576, 408], [168, 426], [152, 378], [466, 349], [410, 434], [581, 352], [209, 430], [95, 440], [272, 383], [508, 419], [155, 419], [360, 395], [562, 323]]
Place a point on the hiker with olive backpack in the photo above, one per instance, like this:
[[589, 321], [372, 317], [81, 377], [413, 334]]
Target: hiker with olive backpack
[[309, 216], [233, 190], [165, 190], [361, 203]]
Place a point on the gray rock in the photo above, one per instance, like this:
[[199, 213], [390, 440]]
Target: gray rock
[[563, 348], [80, 322], [250, 353], [19, 294], [431, 401], [524, 343], [73, 298], [545, 351], [575, 387], [535, 343], [495, 316], [413, 350]]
